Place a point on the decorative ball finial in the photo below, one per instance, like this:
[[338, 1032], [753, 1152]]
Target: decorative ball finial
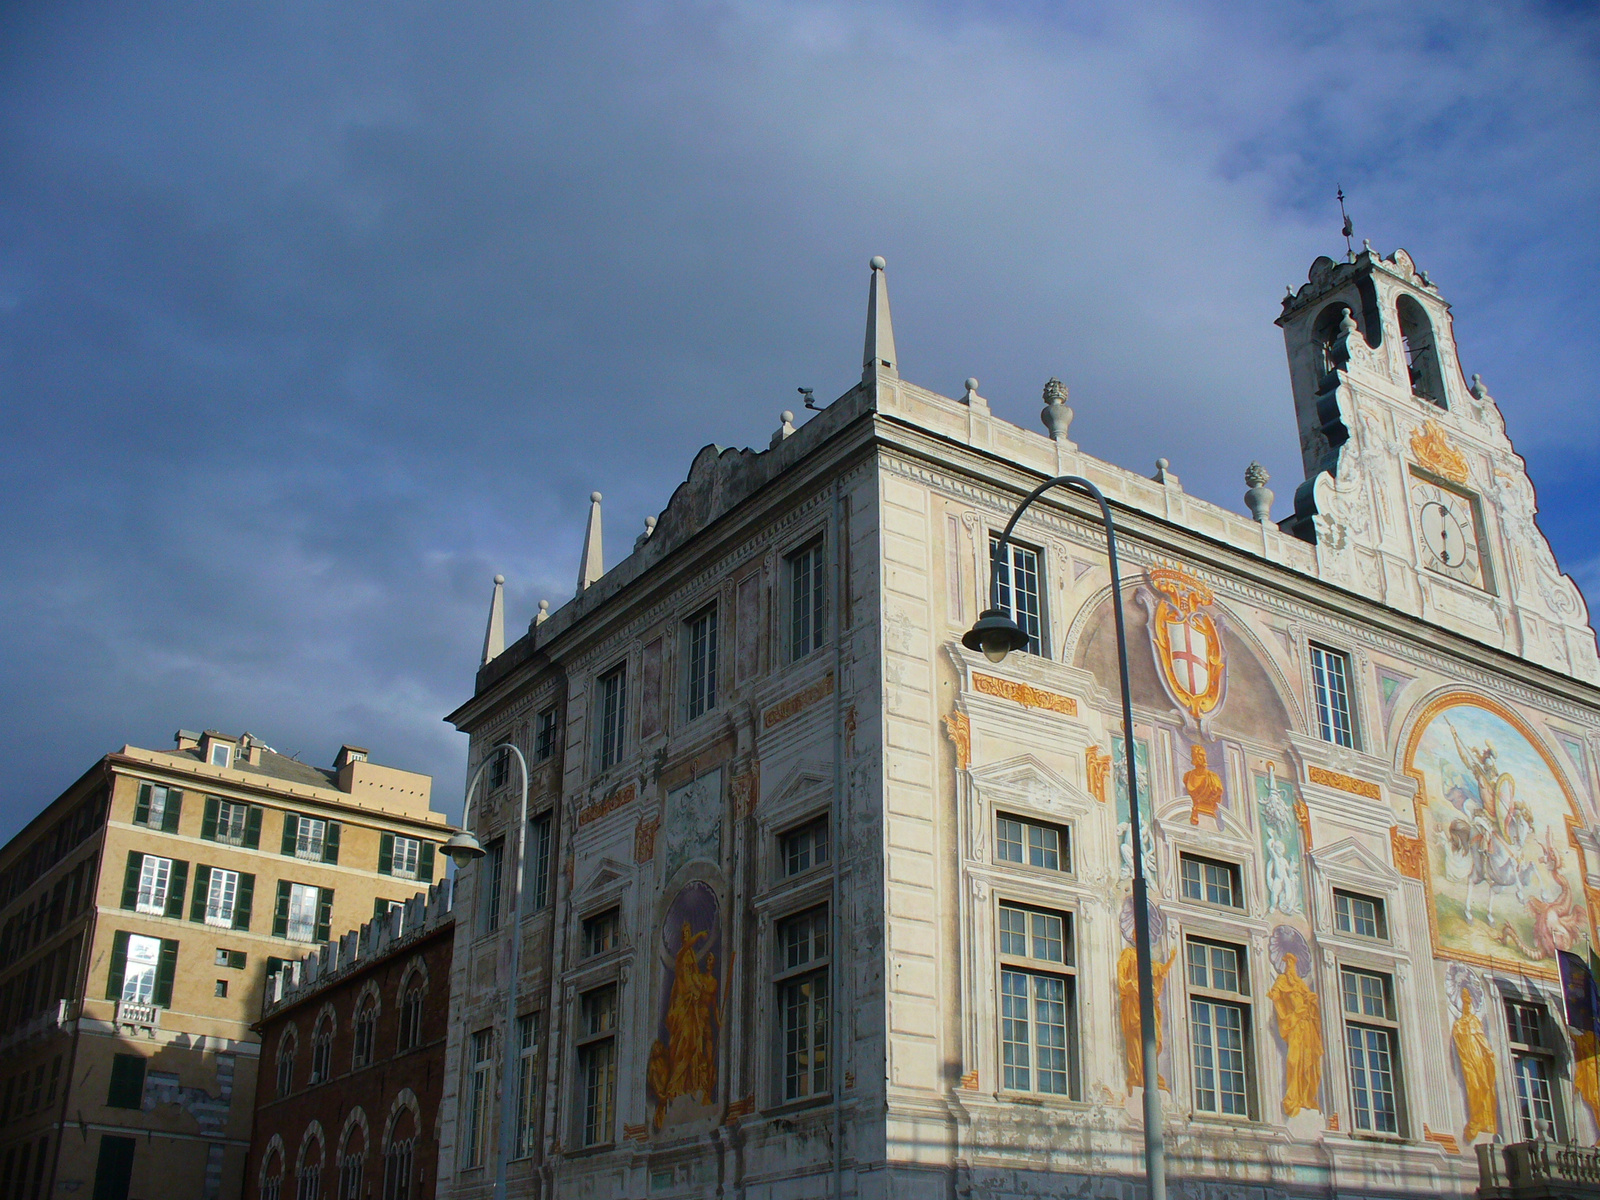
[[787, 416], [594, 497], [649, 524], [877, 263], [544, 606], [499, 579], [1162, 464], [971, 384]]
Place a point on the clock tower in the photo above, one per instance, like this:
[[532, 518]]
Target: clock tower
[[1413, 494]]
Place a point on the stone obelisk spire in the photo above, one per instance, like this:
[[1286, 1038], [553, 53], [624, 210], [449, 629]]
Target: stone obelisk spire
[[878, 357], [494, 637], [593, 564]]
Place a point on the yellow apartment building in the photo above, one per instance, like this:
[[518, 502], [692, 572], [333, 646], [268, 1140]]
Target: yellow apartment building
[[140, 915]]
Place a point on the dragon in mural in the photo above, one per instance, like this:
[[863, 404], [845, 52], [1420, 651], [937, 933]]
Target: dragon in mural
[[1556, 920]]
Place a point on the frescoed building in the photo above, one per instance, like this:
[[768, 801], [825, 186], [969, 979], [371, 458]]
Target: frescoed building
[[141, 914], [352, 1037], [820, 903]]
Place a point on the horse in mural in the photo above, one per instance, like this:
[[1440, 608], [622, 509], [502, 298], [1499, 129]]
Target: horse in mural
[[1481, 853]]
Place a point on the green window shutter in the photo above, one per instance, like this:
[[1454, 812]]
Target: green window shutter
[[380, 906], [252, 828], [119, 965], [280, 916], [386, 854], [330, 844], [208, 823], [169, 815], [114, 1169], [180, 877], [130, 881], [242, 901], [202, 893], [425, 863], [291, 828], [324, 913], [141, 806], [127, 1081], [166, 971]]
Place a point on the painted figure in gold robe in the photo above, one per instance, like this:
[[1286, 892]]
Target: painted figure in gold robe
[[687, 1063], [1477, 1069], [1128, 990], [1203, 785], [1300, 1022], [1586, 1070]]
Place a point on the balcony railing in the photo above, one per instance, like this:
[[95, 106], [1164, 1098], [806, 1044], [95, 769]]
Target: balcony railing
[[145, 1017], [1536, 1170]]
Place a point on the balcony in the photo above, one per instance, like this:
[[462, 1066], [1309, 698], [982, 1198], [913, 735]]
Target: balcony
[[140, 1018], [1538, 1171]]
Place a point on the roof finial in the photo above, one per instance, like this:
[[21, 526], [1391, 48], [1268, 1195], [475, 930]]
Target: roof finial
[[1349, 228], [593, 564], [878, 356], [494, 637]]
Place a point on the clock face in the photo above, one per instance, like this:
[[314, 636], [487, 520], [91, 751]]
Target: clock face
[[1447, 527]]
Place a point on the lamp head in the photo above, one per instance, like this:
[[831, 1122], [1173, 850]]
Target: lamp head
[[463, 848], [995, 634]]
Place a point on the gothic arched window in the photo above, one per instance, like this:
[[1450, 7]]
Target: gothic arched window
[[288, 1045], [322, 1048], [365, 1029], [352, 1158], [412, 993]]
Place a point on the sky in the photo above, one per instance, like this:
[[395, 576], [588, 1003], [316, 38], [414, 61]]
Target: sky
[[314, 317]]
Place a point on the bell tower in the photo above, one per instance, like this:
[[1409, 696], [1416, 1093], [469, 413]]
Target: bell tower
[[1413, 494]]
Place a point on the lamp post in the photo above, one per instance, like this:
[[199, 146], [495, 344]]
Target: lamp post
[[996, 634], [465, 848]]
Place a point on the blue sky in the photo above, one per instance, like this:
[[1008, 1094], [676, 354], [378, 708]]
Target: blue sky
[[314, 317]]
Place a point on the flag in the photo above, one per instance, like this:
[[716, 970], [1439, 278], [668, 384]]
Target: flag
[[1579, 994]]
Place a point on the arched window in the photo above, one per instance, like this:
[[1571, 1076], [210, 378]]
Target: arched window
[[288, 1046], [1422, 354], [353, 1156], [365, 1028], [272, 1171], [399, 1154], [1325, 332], [412, 993], [308, 1174], [322, 1048]]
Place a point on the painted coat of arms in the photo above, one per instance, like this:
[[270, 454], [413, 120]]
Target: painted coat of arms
[[1186, 641]]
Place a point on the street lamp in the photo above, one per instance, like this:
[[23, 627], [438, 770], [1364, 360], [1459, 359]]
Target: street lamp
[[464, 848], [996, 634]]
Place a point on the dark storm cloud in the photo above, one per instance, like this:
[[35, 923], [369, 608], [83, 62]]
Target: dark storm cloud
[[313, 317]]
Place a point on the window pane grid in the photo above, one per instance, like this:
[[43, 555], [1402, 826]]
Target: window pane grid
[[1372, 1082], [807, 594], [1217, 1035], [1536, 1110], [1019, 598], [612, 698], [805, 847], [155, 874], [221, 897], [1330, 684], [702, 634]]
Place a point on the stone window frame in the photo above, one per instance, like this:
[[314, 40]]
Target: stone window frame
[[817, 533]]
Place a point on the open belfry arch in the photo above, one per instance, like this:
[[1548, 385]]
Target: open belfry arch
[[821, 903]]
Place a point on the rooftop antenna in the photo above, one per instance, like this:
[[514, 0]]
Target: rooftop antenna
[[810, 398], [1349, 228]]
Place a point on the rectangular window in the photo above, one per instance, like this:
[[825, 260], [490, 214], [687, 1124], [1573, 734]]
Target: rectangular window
[[1038, 1007], [801, 849], [1360, 915], [304, 902], [222, 895], [1532, 1071], [1020, 597], [1209, 881], [406, 853], [143, 964], [544, 738], [490, 871], [231, 821], [1372, 1049], [220, 990], [158, 807], [539, 860], [602, 932], [700, 659], [802, 983], [500, 768], [808, 593], [528, 1029], [480, 1092], [113, 1170], [1330, 688], [1033, 843], [613, 703], [1219, 1027], [310, 838], [597, 1063], [221, 754], [155, 878], [127, 1081]]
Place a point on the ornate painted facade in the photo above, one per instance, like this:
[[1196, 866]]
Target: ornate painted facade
[[856, 920]]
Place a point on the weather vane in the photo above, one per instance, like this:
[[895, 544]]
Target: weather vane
[[1348, 227]]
